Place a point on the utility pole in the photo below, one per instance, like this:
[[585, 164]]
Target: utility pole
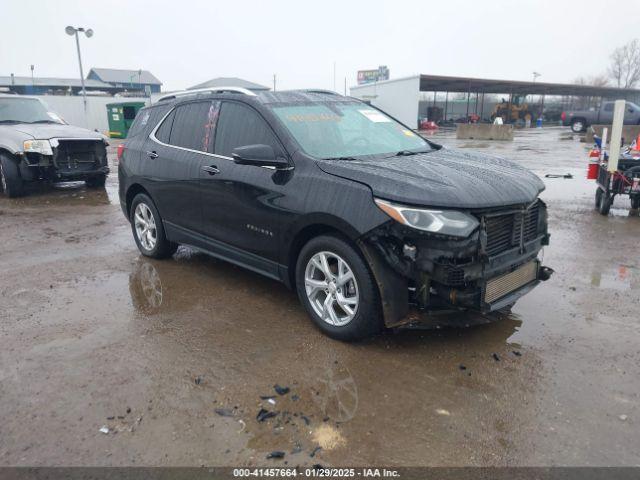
[[88, 33], [535, 76], [274, 82], [33, 83], [345, 86], [334, 75]]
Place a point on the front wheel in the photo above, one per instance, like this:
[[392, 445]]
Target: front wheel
[[605, 203], [337, 289], [148, 230], [10, 180]]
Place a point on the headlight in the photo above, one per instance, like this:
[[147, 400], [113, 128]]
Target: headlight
[[38, 146], [445, 222]]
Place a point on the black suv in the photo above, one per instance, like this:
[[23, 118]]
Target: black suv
[[367, 220]]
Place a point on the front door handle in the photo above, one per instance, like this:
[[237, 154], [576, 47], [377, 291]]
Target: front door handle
[[152, 154], [211, 169]]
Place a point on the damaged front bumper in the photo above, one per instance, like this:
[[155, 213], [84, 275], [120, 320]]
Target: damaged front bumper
[[430, 274]]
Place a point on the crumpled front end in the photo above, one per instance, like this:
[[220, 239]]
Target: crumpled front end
[[486, 271]]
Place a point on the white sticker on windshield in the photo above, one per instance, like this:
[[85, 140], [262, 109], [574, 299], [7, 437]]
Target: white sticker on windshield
[[375, 116]]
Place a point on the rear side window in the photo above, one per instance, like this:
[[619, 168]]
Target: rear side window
[[192, 126], [145, 120], [240, 125], [162, 134]]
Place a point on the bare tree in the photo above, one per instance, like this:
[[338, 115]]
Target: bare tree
[[625, 64]]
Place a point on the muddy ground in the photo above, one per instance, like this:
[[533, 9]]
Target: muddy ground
[[173, 356]]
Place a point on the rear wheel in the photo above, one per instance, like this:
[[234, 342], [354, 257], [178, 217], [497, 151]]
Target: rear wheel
[[148, 230], [635, 202], [97, 181], [10, 180], [337, 289], [578, 125]]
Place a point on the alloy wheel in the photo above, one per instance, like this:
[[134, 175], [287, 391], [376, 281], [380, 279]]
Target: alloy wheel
[[145, 225], [331, 288]]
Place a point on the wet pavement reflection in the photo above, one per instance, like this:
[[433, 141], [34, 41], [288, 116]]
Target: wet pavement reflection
[[177, 358]]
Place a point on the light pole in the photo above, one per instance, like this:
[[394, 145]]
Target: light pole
[[89, 33], [535, 76]]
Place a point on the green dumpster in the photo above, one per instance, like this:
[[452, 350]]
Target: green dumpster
[[121, 117]]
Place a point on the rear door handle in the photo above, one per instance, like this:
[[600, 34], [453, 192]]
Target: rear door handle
[[211, 169], [152, 154]]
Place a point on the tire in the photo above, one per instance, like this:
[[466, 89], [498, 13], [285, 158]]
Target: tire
[[11, 183], [599, 195], [578, 125], [365, 319], [605, 204], [153, 244], [96, 182], [635, 202]]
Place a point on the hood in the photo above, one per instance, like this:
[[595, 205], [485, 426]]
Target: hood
[[46, 131], [448, 178]]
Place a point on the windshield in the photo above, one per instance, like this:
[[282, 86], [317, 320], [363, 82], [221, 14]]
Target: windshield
[[25, 110], [347, 130]]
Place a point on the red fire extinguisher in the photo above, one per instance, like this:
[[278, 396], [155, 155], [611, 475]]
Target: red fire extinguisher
[[594, 164]]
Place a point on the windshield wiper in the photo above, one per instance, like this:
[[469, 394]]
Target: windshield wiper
[[9, 121], [340, 158], [407, 153], [43, 121]]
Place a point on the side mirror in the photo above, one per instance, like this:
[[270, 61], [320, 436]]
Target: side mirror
[[258, 155]]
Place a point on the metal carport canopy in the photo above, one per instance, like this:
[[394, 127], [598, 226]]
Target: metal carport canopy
[[437, 83]]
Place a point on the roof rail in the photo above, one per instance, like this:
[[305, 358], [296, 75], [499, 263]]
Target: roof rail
[[318, 90], [241, 90]]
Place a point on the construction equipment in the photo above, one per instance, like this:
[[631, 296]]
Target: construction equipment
[[514, 110]]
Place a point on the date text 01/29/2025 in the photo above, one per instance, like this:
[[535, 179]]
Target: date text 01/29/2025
[[317, 472]]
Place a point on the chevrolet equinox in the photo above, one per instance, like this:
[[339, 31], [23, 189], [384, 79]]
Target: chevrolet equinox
[[372, 225]]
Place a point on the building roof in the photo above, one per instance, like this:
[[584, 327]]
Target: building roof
[[113, 75], [230, 82], [430, 83], [51, 82], [440, 83]]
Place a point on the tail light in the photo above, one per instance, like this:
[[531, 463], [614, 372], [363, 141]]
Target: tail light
[[120, 151]]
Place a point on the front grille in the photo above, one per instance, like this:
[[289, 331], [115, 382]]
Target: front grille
[[78, 155], [504, 284], [505, 232]]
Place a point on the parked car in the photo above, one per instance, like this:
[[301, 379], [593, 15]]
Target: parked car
[[36, 144], [579, 120], [364, 218]]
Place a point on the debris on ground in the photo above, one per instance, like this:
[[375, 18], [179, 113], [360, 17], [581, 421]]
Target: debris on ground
[[224, 412], [271, 401], [281, 390], [265, 414], [442, 411], [462, 367], [306, 419], [276, 454], [128, 409], [297, 448], [555, 175], [314, 451], [198, 380], [328, 437], [267, 397], [517, 353], [295, 397], [496, 357], [111, 418], [622, 417], [104, 429]]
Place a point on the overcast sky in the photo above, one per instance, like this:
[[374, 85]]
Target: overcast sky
[[188, 42]]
